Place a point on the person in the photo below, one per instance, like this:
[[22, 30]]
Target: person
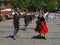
[[0, 17], [3, 16], [46, 16], [41, 27], [26, 19], [16, 23]]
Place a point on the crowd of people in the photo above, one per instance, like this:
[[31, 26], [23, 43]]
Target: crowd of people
[[5, 15], [29, 16]]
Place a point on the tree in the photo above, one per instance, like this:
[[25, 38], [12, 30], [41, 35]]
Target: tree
[[37, 4], [52, 5]]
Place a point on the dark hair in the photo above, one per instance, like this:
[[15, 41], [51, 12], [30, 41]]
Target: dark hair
[[41, 18], [15, 9]]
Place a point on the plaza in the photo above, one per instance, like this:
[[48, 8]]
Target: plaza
[[24, 37]]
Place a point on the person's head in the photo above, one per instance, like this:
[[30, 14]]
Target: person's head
[[15, 9], [41, 18], [41, 11]]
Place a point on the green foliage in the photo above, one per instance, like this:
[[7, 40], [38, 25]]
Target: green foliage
[[37, 4], [52, 5]]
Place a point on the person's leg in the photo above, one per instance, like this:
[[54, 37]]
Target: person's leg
[[15, 32], [25, 24], [43, 36], [14, 36]]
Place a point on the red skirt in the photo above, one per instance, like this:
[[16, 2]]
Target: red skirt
[[44, 30]]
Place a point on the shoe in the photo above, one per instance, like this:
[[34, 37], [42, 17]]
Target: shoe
[[37, 37], [43, 37], [14, 38], [24, 29]]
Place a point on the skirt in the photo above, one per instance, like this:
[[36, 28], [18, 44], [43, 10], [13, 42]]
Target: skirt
[[44, 29]]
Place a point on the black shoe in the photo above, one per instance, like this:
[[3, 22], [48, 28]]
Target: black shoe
[[14, 38], [37, 37], [43, 37], [24, 29]]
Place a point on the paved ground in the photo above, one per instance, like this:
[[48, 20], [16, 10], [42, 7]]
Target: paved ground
[[24, 37]]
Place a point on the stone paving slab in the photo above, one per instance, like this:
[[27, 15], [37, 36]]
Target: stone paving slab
[[24, 37]]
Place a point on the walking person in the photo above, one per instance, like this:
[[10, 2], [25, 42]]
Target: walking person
[[26, 19], [16, 23]]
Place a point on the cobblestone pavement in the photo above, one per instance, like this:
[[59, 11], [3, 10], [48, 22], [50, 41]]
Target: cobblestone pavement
[[24, 37]]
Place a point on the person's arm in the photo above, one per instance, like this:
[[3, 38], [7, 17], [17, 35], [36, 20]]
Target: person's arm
[[45, 14]]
